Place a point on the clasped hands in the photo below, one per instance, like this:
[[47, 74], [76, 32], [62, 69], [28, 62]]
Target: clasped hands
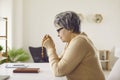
[[47, 42]]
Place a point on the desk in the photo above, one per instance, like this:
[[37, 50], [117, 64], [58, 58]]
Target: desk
[[44, 74]]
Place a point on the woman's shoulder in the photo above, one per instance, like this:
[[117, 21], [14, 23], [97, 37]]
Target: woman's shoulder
[[80, 37], [78, 40]]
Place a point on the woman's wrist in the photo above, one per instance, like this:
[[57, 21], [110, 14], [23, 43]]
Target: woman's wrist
[[51, 51]]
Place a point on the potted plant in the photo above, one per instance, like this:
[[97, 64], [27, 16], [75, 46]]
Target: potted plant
[[1, 48], [17, 55]]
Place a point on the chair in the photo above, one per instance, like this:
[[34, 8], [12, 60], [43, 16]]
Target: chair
[[36, 54]]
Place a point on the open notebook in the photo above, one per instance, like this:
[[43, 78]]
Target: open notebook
[[16, 65], [4, 77]]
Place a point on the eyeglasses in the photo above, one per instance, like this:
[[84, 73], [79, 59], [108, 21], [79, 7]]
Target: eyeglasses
[[58, 30]]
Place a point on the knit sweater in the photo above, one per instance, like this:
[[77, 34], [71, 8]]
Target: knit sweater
[[79, 60]]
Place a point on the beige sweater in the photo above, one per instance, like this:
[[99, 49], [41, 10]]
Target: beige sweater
[[79, 61]]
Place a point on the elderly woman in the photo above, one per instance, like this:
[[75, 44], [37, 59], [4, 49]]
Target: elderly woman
[[79, 60]]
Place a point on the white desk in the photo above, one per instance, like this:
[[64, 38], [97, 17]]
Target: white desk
[[44, 74]]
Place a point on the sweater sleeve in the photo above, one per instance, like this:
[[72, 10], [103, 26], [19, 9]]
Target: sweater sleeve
[[73, 55]]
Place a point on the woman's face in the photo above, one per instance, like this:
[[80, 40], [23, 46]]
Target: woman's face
[[64, 34]]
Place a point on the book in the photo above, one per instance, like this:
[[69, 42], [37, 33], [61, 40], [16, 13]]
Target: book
[[4, 77], [26, 70]]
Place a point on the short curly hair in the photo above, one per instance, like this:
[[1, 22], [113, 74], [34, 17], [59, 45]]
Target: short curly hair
[[69, 20]]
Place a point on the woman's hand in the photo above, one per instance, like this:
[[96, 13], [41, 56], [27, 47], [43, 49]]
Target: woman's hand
[[47, 42]]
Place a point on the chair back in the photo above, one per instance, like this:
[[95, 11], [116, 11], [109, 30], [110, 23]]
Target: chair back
[[36, 53]]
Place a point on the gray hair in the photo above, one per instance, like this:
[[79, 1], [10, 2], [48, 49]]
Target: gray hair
[[69, 20]]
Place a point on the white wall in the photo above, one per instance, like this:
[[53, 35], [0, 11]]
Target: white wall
[[6, 11], [38, 16], [17, 24]]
